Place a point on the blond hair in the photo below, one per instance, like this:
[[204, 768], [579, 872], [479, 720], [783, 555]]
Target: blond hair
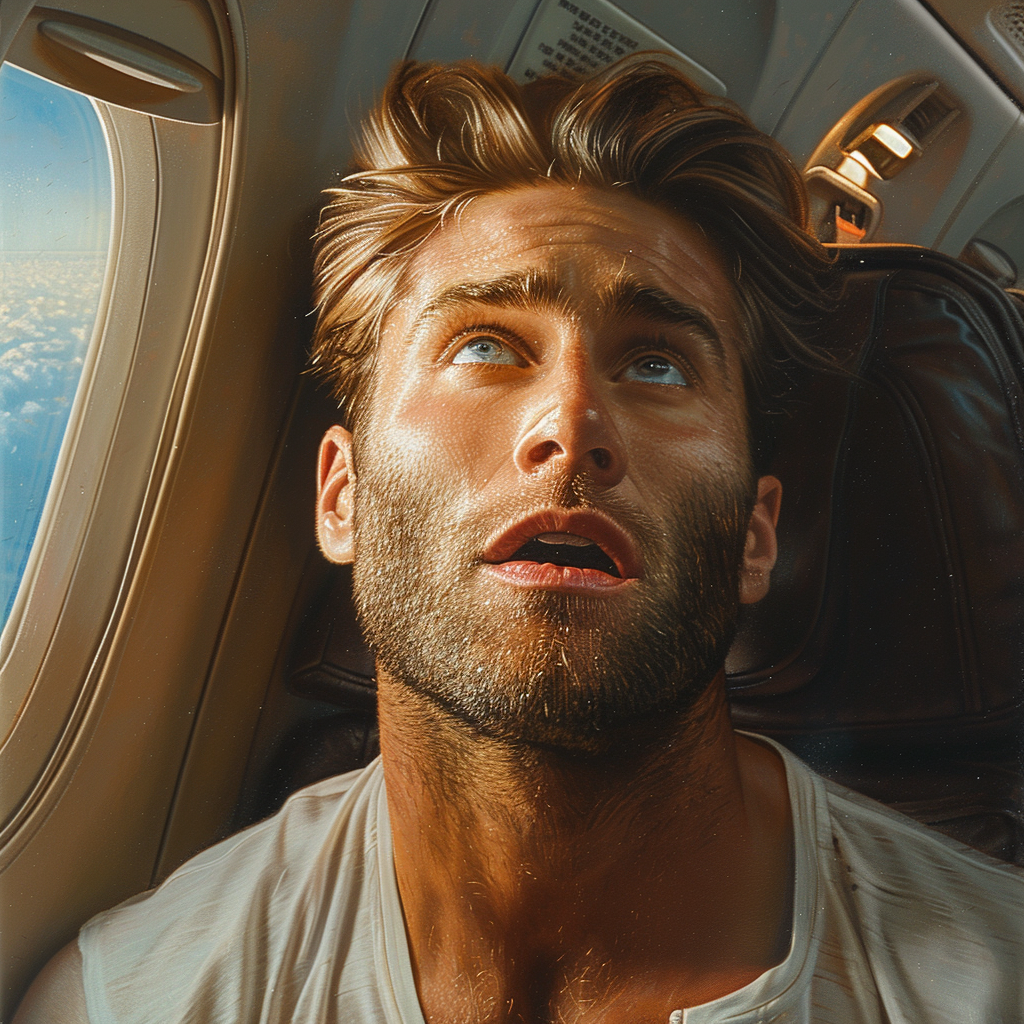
[[443, 134]]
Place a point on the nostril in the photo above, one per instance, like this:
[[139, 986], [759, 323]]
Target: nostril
[[544, 451], [602, 457]]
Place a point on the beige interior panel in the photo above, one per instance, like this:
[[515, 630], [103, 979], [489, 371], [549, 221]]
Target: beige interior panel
[[97, 836]]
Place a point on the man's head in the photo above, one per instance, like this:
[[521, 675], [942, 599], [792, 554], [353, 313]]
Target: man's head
[[443, 135], [550, 494]]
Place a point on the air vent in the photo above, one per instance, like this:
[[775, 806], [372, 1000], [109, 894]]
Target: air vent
[[929, 117], [1008, 21]]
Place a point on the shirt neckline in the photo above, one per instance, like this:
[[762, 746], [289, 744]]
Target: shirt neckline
[[392, 955], [777, 991]]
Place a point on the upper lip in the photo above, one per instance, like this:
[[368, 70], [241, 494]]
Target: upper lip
[[595, 526]]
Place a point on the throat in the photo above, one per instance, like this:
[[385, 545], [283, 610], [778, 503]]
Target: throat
[[637, 872]]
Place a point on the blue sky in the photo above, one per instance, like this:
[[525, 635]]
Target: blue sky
[[55, 171]]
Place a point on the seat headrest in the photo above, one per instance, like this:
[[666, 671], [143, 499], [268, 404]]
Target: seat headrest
[[897, 605]]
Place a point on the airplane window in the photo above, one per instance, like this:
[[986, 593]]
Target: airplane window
[[55, 197]]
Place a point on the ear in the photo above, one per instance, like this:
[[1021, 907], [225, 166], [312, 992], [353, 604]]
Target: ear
[[761, 548], [336, 481]]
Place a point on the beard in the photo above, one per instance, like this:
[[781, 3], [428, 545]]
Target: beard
[[558, 670]]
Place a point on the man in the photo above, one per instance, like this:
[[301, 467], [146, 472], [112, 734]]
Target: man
[[556, 319]]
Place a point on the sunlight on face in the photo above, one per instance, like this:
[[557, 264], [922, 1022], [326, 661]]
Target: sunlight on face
[[558, 352]]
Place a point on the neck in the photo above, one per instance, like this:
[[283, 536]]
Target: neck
[[533, 882]]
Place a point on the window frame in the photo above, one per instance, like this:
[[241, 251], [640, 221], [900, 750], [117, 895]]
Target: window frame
[[102, 511]]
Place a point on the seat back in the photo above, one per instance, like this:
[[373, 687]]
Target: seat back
[[889, 652]]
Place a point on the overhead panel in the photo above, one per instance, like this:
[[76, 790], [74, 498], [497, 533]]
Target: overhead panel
[[722, 47], [892, 60], [76, 45], [757, 53], [994, 31]]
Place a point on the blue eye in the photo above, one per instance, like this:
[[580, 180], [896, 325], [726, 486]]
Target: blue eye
[[655, 370], [485, 349]]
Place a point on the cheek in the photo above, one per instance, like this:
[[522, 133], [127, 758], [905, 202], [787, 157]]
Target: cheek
[[667, 452], [461, 440]]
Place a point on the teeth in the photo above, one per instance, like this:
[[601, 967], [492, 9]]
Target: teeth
[[564, 538]]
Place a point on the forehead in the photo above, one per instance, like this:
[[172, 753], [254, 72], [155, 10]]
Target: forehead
[[582, 238]]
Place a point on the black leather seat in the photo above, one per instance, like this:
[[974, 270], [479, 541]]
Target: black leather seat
[[890, 650]]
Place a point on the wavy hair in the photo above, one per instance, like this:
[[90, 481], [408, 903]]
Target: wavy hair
[[444, 134]]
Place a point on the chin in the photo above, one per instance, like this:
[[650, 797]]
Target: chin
[[572, 675]]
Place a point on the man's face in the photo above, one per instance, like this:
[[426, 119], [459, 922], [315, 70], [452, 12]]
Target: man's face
[[552, 485]]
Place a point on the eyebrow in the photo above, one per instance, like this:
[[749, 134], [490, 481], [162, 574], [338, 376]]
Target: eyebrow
[[526, 290], [625, 298], [539, 289]]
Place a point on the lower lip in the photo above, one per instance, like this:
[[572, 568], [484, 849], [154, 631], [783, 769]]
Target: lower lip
[[545, 576]]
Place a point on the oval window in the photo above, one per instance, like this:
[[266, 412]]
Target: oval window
[[55, 204]]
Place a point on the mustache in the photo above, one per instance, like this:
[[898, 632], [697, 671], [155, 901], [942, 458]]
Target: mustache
[[467, 525], [576, 495]]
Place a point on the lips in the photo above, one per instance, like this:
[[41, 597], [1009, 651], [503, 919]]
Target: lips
[[518, 550]]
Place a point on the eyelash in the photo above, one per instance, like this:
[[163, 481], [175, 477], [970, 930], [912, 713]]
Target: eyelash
[[502, 334], [660, 350]]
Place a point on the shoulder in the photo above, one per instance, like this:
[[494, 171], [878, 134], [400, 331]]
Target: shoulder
[[877, 852], [315, 822], [327, 812], [312, 823], [932, 927], [231, 920], [941, 925], [57, 996], [898, 855]]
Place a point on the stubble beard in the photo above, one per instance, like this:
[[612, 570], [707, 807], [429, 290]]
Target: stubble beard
[[545, 668]]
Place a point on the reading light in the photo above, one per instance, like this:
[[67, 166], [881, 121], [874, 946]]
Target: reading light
[[857, 169], [897, 144], [883, 150]]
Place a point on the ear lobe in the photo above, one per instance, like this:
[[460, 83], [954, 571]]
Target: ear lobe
[[761, 548], [336, 481]]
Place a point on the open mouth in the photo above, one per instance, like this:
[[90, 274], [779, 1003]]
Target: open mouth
[[566, 549]]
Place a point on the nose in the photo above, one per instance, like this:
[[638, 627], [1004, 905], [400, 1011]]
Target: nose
[[573, 432]]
